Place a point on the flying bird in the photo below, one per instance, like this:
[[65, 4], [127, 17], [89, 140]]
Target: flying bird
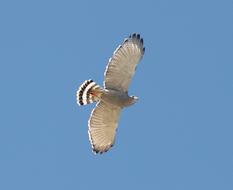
[[113, 97]]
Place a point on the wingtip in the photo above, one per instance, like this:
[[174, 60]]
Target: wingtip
[[137, 37], [98, 150]]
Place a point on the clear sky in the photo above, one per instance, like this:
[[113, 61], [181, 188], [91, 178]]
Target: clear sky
[[178, 136]]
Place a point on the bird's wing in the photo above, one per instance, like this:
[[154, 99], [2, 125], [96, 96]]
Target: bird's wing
[[123, 63], [102, 124]]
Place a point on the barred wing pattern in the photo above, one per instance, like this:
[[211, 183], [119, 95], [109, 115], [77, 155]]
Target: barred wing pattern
[[123, 63], [103, 124]]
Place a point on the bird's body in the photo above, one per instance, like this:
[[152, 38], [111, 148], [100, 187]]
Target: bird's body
[[118, 98], [113, 97]]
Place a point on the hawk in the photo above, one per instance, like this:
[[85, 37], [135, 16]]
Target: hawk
[[113, 97]]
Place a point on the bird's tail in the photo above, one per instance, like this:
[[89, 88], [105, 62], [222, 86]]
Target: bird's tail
[[89, 92]]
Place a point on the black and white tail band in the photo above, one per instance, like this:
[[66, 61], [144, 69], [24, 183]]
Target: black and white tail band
[[88, 92]]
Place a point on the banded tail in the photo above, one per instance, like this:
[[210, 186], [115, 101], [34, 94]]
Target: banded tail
[[89, 92]]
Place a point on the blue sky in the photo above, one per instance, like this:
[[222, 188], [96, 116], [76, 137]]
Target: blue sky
[[179, 134]]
